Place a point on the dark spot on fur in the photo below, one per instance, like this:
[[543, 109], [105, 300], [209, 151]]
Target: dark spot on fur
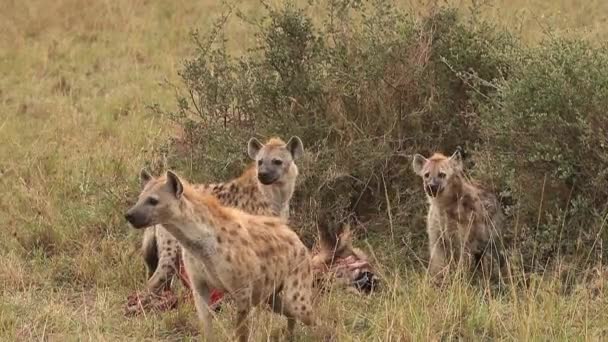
[[304, 308], [452, 212], [219, 240], [468, 202], [269, 223], [262, 253], [295, 296], [244, 242], [228, 257], [295, 283], [233, 233]]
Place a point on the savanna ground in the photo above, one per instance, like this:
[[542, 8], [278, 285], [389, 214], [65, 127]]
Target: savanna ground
[[75, 128]]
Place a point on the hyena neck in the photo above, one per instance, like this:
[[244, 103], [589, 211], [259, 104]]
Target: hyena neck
[[194, 229], [278, 195], [452, 192]]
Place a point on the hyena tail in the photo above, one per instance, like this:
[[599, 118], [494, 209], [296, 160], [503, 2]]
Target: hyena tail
[[150, 250]]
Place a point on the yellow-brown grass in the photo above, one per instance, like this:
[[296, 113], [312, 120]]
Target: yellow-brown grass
[[74, 131]]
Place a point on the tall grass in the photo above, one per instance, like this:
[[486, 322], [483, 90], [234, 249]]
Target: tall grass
[[75, 127]]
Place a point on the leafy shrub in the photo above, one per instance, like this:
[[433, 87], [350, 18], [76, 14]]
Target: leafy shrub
[[369, 86], [546, 133]]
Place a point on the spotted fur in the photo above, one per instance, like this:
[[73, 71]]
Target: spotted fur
[[265, 188], [254, 259], [464, 220]]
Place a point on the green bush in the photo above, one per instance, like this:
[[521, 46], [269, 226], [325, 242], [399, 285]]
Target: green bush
[[545, 132], [369, 86]]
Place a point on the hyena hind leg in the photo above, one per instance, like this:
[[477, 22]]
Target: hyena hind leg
[[295, 302], [278, 306], [490, 265]]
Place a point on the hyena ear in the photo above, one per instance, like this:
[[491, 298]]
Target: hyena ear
[[295, 147], [144, 177], [418, 163], [175, 184], [253, 147], [456, 158]]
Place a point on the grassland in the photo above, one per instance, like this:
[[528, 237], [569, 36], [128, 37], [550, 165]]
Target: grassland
[[74, 129]]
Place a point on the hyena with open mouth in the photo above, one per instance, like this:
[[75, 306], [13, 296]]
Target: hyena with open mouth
[[464, 221]]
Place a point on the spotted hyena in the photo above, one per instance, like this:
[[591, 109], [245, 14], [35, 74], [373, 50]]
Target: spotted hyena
[[463, 221], [255, 259], [265, 188]]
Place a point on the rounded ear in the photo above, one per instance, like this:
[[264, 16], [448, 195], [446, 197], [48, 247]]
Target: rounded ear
[[456, 159], [144, 177], [175, 184], [463, 153], [295, 147], [253, 148], [418, 163]]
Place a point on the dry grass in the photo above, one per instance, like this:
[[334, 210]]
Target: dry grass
[[76, 79]]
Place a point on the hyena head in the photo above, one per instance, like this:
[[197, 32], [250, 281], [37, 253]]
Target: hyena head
[[437, 171], [158, 200], [275, 159]]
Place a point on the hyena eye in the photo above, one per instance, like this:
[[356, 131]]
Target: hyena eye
[[260, 162], [426, 175], [441, 175], [277, 162], [152, 201]]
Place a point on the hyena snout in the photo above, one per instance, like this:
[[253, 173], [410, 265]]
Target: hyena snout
[[267, 177], [136, 219], [433, 189]]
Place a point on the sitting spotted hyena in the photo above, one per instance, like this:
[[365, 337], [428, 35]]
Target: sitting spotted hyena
[[263, 189], [255, 259], [464, 220]]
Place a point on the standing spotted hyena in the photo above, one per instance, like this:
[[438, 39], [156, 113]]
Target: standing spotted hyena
[[255, 259], [263, 189], [463, 221]]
